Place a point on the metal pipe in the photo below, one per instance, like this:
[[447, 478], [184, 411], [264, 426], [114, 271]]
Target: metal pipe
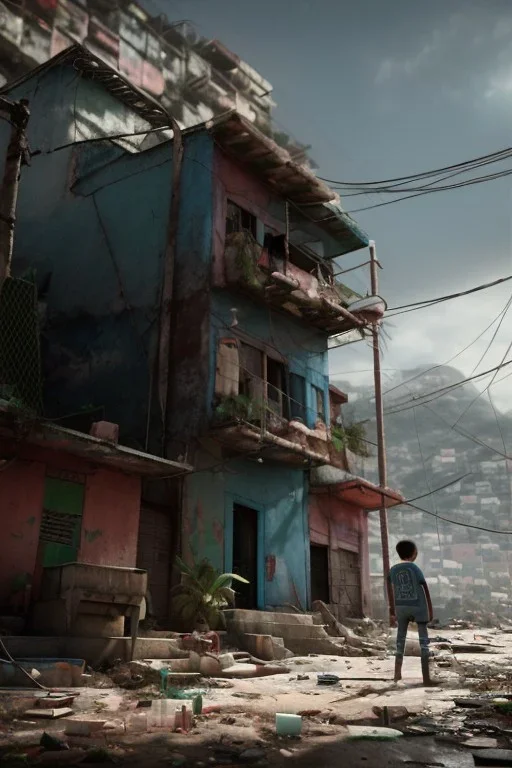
[[379, 409], [164, 342], [17, 151], [342, 311]]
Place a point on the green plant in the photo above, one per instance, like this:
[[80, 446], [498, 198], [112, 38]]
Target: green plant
[[237, 408], [203, 593], [247, 253], [352, 436]]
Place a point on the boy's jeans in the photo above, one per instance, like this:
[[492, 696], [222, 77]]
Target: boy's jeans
[[401, 635]]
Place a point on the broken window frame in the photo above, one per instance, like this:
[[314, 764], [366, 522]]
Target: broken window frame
[[319, 404], [239, 219]]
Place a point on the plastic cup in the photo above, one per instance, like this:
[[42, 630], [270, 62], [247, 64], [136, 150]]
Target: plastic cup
[[288, 725]]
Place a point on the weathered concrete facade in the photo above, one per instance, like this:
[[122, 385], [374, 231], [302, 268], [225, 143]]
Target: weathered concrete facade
[[254, 301]]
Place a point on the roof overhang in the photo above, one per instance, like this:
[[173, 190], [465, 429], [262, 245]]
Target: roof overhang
[[19, 426], [316, 202], [352, 489]]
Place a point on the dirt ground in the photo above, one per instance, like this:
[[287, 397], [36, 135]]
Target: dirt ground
[[243, 731]]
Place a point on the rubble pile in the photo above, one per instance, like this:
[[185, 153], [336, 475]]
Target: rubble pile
[[362, 637]]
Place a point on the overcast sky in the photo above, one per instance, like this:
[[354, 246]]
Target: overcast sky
[[383, 88]]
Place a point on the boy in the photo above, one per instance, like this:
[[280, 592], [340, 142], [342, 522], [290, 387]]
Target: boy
[[409, 600]]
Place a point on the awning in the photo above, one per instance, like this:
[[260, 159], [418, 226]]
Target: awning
[[112, 455], [352, 489]]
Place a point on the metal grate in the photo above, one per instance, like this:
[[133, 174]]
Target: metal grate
[[20, 357], [57, 527]]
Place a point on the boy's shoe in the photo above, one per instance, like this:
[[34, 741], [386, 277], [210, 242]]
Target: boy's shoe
[[428, 681]]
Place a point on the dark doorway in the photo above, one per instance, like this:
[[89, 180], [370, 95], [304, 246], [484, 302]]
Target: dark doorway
[[320, 574], [154, 556], [245, 555]]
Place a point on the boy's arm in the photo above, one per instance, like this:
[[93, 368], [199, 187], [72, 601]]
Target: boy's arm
[[391, 601], [429, 601]]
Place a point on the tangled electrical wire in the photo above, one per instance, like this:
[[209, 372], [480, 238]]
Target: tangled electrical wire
[[413, 185]]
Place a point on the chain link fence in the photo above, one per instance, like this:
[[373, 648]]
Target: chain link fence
[[20, 355]]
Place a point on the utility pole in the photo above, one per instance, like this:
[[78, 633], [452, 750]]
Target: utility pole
[[379, 411], [17, 114]]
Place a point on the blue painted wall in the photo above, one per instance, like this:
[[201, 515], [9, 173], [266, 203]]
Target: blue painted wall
[[280, 494], [304, 347], [94, 217]]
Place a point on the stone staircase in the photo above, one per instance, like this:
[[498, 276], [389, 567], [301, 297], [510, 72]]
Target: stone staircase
[[299, 633]]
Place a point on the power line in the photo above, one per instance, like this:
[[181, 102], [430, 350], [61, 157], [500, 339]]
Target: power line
[[448, 297], [447, 388], [468, 435], [487, 387], [393, 188], [448, 187], [423, 174], [441, 487], [457, 522], [458, 354]]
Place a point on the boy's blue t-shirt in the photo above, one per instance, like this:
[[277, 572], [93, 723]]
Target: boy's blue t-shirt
[[408, 581]]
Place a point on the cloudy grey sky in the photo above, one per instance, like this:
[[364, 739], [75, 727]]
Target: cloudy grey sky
[[383, 88]]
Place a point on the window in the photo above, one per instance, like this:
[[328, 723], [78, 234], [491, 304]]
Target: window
[[239, 220], [264, 379], [297, 397], [319, 404], [277, 395]]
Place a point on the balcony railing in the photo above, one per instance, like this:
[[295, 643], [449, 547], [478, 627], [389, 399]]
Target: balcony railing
[[257, 414], [316, 298]]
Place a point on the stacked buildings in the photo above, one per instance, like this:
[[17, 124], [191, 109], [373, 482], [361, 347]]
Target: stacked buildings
[[177, 297], [195, 79]]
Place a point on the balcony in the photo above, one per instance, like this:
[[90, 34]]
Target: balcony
[[262, 410], [256, 431], [295, 282]]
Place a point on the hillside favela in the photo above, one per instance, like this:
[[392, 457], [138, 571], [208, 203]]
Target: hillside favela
[[255, 361]]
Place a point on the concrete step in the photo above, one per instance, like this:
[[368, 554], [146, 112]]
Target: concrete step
[[324, 646], [285, 631], [239, 615]]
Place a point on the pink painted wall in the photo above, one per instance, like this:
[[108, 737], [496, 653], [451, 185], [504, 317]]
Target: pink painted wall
[[341, 526], [243, 188], [110, 519]]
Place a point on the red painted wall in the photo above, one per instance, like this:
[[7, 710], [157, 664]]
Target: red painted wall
[[110, 519], [21, 498], [341, 526]]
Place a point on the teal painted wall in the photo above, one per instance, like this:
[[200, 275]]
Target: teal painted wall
[[93, 218], [281, 495], [304, 347]]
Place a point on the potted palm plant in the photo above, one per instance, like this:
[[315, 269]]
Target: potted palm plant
[[202, 595]]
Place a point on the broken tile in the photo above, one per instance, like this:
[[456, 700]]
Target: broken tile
[[49, 714], [371, 732], [481, 742]]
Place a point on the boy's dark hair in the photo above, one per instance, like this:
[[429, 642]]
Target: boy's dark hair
[[406, 549]]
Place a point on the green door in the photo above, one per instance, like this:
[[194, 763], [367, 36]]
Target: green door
[[61, 523]]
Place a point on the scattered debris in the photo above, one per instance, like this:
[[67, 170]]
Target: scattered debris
[[481, 742]]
